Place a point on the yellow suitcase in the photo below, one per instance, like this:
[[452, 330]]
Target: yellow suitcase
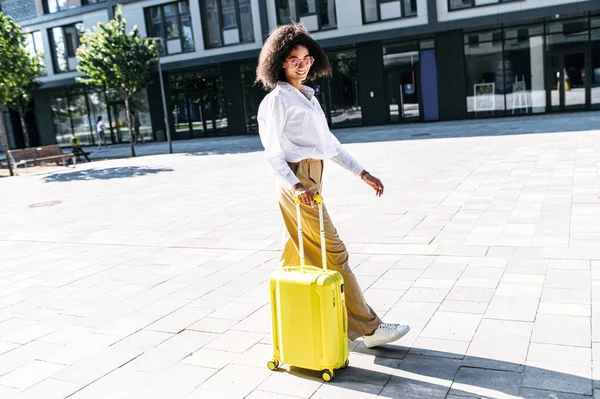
[[308, 310]]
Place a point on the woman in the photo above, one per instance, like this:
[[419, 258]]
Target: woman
[[297, 140], [100, 131]]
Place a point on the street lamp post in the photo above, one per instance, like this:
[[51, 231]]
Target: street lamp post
[[162, 92]]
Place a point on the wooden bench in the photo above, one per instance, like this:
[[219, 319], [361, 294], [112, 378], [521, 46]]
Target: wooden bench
[[38, 156], [22, 157], [53, 153]]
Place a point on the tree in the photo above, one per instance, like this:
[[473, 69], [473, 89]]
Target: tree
[[115, 59], [18, 70]]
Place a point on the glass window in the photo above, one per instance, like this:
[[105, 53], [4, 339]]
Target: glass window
[[35, 47], [198, 102], [595, 77], [315, 14], [229, 17], [460, 4], [172, 23], [253, 95], [382, 10], [524, 69], [307, 7], [343, 90], [485, 74], [227, 22], [65, 40], [52, 6], [60, 116]]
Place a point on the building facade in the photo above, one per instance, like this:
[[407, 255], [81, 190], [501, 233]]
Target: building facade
[[393, 61]]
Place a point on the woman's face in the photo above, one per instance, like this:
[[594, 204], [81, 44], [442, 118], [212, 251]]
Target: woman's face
[[297, 64]]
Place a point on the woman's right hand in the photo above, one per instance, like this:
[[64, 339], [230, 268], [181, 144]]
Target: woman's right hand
[[304, 195]]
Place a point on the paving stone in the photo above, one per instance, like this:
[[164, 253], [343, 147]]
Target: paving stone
[[490, 350], [234, 341], [29, 374], [562, 330], [422, 377], [452, 326], [439, 347], [478, 383], [236, 379], [530, 393], [463, 307], [558, 377], [511, 308]]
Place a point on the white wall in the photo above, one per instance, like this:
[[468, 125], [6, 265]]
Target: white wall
[[349, 20], [445, 15]]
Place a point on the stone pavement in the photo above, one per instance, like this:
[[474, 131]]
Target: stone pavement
[[146, 277]]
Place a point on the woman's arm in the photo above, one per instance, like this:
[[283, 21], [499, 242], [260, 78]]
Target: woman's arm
[[271, 121]]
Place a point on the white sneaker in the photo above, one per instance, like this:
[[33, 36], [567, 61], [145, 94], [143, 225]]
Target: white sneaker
[[385, 334]]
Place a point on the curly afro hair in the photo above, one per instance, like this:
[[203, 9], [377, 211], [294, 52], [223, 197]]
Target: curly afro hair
[[281, 41]]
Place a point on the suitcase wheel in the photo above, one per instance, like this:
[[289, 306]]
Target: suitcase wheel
[[273, 365], [346, 364], [328, 375]]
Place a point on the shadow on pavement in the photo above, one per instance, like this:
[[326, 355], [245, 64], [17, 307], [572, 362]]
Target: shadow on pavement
[[414, 373], [104, 174]]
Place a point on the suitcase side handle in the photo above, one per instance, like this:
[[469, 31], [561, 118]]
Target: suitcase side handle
[[319, 200]]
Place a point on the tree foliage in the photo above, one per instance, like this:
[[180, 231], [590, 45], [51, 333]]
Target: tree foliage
[[18, 70], [116, 59]]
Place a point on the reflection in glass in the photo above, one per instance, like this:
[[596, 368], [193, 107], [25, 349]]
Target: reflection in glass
[[229, 18], [198, 104], [211, 20], [61, 119], [343, 86], [307, 7], [485, 75], [574, 80], [79, 118], [524, 68], [459, 4], [401, 63], [410, 8], [253, 95], [246, 21], [327, 11], [60, 50], [595, 73]]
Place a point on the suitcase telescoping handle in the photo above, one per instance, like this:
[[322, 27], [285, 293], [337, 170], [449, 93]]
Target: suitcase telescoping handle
[[319, 200]]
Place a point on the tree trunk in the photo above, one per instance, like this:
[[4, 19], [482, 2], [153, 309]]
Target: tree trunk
[[128, 112], [5, 146], [24, 128]]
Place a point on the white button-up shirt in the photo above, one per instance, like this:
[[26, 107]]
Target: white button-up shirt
[[292, 127]]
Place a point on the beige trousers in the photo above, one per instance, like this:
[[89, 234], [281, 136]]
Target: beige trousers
[[362, 320]]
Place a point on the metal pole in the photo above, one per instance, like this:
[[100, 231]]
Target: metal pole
[[164, 101]]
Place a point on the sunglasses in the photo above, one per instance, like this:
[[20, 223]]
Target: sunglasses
[[295, 62]]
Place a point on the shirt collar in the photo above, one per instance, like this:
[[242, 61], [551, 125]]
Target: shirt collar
[[306, 90]]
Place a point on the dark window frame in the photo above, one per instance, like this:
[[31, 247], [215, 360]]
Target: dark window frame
[[378, 20], [165, 36], [450, 9], [238, 20], [317, 13], [53, 46]]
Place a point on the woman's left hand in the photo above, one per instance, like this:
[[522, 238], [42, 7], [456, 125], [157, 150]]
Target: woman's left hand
[[374, 182]]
